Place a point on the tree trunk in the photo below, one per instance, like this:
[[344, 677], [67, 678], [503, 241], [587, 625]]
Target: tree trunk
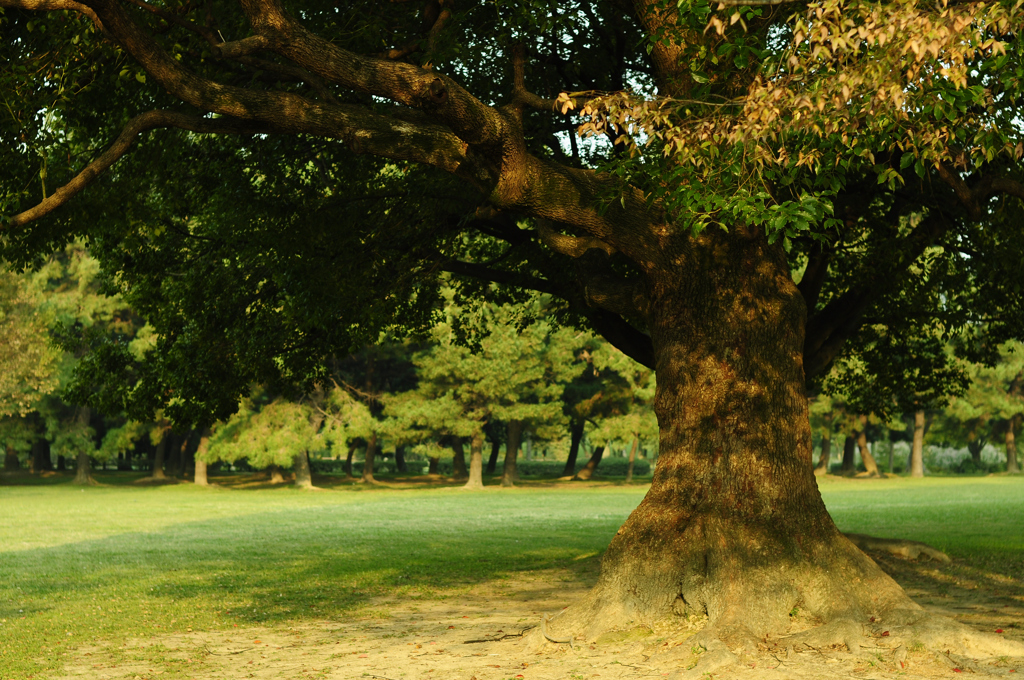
[[41, 460], [11, 463], [83, 471], [587, 471], [476, 462], [975, 448], [400, 465], [917, 448], [459, 459], [201, 478], [1011, 444], [849, 461], [303, 475], [733, 526], [371, 453], [432, 464], [348, 460], [492, 462], [826, 448], [158, 459], [62, 464], [515, 437], [632, 458], [870, 466], [276, 477], [172, 455], [889, 440], [575, 437]]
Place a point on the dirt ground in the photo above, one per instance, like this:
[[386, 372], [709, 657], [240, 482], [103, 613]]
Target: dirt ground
[[484, 633]]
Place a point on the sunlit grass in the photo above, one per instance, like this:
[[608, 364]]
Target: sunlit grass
[[118, 562]]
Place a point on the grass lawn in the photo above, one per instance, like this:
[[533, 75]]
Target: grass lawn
[[116, 562]]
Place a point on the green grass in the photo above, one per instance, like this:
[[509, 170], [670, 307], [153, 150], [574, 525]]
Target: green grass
[[116, 562]]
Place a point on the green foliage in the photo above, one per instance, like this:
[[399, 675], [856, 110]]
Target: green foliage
[[264, 433]]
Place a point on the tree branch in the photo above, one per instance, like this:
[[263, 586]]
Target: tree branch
[[54, 6], [123, 144], [573, 246]]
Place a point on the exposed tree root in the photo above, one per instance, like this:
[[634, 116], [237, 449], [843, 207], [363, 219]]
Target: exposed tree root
[[911, 550]]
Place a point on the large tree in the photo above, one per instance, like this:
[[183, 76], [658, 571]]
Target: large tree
[[760, 186]]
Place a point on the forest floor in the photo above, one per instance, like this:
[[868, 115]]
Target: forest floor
[[462, 604]]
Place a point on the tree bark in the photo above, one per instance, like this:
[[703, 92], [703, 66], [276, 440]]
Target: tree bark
[[371, 453], [515, 437], [400, 465], [303, 475], [458, 459], [1011, 444], [733, 526], [201, 478], [917, 448], [276, 477], [870, 466], [158, 459], [826, 448], [975, 448], [587, 471], [41, 460], [173, 454], [476, 462], [849, 461], [632, 459], [433, 462], [492, 461], [61, 463], [83, 471], [575, 438], [348, 460], [11, 463]]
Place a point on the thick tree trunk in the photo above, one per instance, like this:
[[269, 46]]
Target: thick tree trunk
[[975, 448], [11, 463], [1011, 444], [476, 462], [849, 460], [400, 465], [62, 464], [917, 448], [575, 437], [158, 459], [870, 466], [41, 460], [303, 475], [83, 470], [458, 459], [276, 477], [733, 526], [173, 454], [371, 453], [201, 478], [826, 448], [348, 460], [515, 437], [632, 459], [587, 471], [433, 462], [492, 461]]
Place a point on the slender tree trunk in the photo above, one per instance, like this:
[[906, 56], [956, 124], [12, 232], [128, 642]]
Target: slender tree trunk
[[733, 526], [188, 453], [1011, 444], [371, 453], [849, 461], [201, 479], [303, 475], [459, 459], [917, 448], [865, 451], [492, 462], [889, 441], [632, 458], [826, 447], [575, 437], [433, 462], [476, 462], [400, 465], [11, 463], [83, 471], [975, 448], [515, 436], [348, 460], [587, 471]]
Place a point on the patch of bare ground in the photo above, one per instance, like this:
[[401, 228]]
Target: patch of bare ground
[[478, 633]]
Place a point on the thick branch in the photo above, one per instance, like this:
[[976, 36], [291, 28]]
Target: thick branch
[[123, 144], [573, 246], [55, 5]]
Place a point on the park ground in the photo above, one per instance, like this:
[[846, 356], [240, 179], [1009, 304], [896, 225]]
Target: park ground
[[416, 580]]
